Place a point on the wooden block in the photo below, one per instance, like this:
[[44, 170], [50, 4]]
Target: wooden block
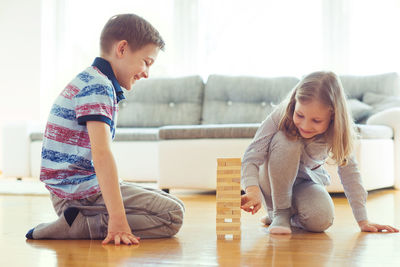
[[228, 204], [235, 199], [226, 196], [228, 229], [220, 196], [221, 162], [230, 160], [229, 192], [229, 168], [228, 224], [228, 179], [231, 203], [222, 220], [228, 188], [228, 184], [228, 236], [229, 232], [224, 188], [226, 209], [228, 213], [220, 236], [229, 175], [228, 216]]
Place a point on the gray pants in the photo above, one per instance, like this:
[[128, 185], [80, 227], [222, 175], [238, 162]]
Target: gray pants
[[312, 207], [151, 213]]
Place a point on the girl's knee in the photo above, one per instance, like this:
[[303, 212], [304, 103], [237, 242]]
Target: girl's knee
[[317, 222]]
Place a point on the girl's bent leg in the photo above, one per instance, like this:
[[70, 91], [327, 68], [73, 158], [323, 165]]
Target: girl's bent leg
[[313, 205], [283, 165]]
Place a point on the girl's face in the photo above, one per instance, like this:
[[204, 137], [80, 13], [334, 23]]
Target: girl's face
[[311, 118]]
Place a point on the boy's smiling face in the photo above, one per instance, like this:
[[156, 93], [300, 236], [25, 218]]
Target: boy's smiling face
[[131, 66]]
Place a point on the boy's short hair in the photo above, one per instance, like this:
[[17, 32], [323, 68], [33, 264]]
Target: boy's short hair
[[134, 29]]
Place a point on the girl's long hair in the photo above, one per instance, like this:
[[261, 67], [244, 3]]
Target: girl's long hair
[[326, 88]]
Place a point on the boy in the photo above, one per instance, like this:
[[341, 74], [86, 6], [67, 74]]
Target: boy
[[78, 166]]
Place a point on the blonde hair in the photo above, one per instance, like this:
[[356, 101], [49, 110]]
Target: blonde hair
[[326, 88]]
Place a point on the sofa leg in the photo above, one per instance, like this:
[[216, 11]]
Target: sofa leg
[[166, 190]]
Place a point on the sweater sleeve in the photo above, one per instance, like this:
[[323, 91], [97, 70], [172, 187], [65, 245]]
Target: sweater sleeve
[[256, 153], [354, 190]]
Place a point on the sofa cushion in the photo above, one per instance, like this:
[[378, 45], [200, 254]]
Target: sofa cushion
[[374, 131], [381, 102], [358, 109], [243, 99], [209, 131], [357, 86], [248, 130], [136, 134], [163, 101]]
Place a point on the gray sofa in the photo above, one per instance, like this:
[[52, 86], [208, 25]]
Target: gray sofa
[[171, 130], [196, 123]]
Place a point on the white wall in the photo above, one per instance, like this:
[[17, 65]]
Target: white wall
[[20, 27]]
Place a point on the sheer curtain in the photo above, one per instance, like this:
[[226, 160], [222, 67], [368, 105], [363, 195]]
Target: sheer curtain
[[374, 39], [261, 38], [255, 37]]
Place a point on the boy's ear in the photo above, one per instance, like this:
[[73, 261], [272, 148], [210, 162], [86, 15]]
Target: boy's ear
[[121, 47]]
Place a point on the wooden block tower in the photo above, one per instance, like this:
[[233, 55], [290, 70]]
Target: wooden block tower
[[228, 198]]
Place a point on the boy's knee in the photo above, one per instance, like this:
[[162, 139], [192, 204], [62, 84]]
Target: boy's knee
[[176, 216]]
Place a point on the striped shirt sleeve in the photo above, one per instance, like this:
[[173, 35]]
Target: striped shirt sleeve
[[95, 103]]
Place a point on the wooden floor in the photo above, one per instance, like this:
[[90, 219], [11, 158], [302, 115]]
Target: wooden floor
[[196, 244]]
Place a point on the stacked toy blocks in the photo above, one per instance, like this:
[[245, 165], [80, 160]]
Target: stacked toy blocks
[[228, 198]]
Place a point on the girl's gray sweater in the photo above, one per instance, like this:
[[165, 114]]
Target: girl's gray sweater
[[315, 153]]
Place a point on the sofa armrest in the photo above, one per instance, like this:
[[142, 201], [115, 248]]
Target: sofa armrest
[[15, 140], [390, 117]]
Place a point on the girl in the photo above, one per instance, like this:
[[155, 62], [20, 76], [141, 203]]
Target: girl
[[284, 163]]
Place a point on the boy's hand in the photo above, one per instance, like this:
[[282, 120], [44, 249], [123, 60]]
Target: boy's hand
[[251, 201], [120, 232], [367, 226]]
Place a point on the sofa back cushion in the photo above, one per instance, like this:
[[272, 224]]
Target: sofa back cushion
[[163, 101], [242, 99], [357, 86]]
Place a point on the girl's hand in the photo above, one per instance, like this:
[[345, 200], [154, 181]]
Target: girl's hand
[[120, 232], [367, 226], [251, 201]]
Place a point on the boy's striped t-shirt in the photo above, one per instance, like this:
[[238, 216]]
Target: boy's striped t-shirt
[[67, 167]]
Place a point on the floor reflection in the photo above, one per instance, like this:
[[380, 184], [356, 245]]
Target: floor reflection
[[92, 253]]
